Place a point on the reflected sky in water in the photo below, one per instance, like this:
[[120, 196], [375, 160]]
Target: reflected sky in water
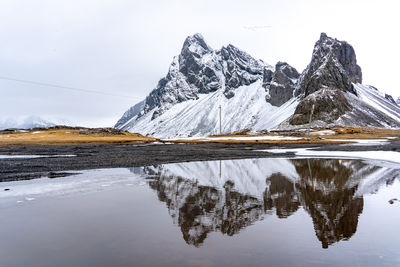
[[255, 211]]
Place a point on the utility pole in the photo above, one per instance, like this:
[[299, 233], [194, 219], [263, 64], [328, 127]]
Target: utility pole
[[220, 169], [309, 123], [220, 120]]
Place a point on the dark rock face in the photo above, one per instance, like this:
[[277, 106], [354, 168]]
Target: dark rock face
[[170, 90], [390, 98], [202, 77], [329, 105], [333, 65], [282, 84], [347, 58], [267, 77], [241, 69]]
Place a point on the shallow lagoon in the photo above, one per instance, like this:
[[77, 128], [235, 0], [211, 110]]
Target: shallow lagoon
[[254, 212]]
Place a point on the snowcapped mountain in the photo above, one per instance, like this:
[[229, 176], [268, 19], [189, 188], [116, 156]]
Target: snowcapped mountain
[[200, 80], [251, 94], [25, 123]]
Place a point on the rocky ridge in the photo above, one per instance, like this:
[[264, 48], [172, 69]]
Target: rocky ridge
[[200, 70]]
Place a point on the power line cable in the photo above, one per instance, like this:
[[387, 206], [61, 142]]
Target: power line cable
[[66, 87]]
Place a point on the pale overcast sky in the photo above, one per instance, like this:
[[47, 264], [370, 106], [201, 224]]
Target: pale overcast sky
[[124, 47]]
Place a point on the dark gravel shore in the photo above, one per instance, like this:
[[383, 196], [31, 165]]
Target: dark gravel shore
[[91, 156]]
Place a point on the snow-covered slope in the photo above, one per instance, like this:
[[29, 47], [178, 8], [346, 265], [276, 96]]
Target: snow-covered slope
[[247, 109], [368, 107]]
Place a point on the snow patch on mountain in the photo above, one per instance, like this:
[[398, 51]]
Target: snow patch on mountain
[[247, 109], [25, 123]]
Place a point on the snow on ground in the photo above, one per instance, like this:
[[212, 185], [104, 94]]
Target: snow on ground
[[367, 142], [247, 109], [32, 156], [266, 137], [323, 132], [388, 156], [20, 156], [238, 138], [280, 137], [84, 182]]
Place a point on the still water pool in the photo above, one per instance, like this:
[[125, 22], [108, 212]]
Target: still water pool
[[252, 212]]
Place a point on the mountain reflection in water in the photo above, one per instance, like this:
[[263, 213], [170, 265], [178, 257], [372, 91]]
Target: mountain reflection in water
[[227, 196]]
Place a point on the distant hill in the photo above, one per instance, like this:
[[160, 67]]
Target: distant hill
[[25, 123]]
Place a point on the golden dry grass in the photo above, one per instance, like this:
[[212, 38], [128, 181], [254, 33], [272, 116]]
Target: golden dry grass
[[65, 136], [363, 133]]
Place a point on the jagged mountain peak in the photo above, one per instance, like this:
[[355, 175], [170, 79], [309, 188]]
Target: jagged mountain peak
[[243, 59], [230, 50], [195, 44], [346, 55], [239, 68], [333, 65], [199, 69]]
